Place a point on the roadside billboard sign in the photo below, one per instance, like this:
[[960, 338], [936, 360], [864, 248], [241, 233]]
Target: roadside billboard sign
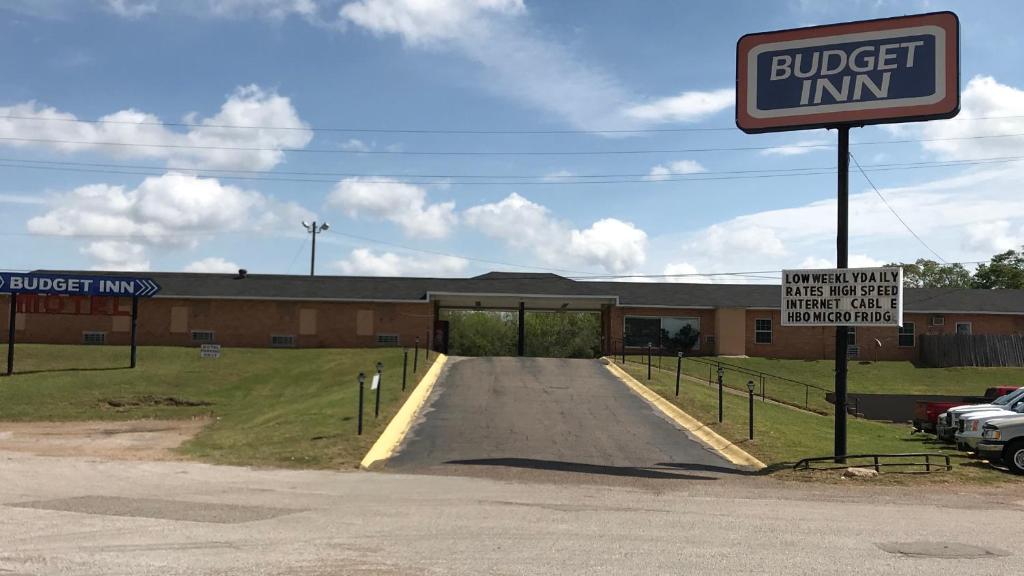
[[876, 71], [843, 297]]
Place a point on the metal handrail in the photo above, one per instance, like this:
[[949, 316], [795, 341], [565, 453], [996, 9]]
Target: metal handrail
[[928, 465]]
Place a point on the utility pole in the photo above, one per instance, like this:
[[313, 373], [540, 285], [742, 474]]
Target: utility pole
[[314, 229]]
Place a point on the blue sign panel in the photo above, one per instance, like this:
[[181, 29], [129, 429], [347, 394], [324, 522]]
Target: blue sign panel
[[891, 70], [76, 285]]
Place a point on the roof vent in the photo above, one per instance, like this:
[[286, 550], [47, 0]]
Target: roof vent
[[242, 273]]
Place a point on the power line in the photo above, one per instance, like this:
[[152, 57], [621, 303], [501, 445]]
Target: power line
[[486, 152], [304, 128], [893, 210], [504, 180]]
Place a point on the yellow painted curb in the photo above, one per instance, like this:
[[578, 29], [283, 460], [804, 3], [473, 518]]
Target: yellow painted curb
[[727, 449], [400, 425]]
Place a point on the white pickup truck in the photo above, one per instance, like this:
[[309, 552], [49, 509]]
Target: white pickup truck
[[1003, 441], [949, 421], [971, 424]]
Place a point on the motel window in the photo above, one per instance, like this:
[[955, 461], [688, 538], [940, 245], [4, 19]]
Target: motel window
[[203, 336], [763, 331], [906, 338], [664, 332], [282, 341], [937, 320], [387, 339], [851, 340], [963, 328], [94, 337]]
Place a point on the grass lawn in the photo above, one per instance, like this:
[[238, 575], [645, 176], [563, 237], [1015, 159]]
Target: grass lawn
[[272, 407], [867, 378], [783, 436]]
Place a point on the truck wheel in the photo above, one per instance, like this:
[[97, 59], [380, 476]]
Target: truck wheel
[[1013, 456]]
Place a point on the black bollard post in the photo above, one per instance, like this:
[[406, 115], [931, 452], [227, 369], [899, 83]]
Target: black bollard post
[[649, 348], [416, 355], [679, 370], [362, 383], [750, 390], [721, 372], [380, 384], [405, 366]]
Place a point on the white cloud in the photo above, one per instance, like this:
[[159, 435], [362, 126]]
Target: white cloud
[[116, 255], [173, 210], [395, 201], [247, 106], [615, 245], [419, 22], [355, 145], [366, 262], [853, 261], [610, 243], [273, 9], [21, 199], [664, 171], [983, 97], [797, 148], [131, 8], [558, 176], [725, 240], [689, 106], [212, 264], [992, 237], [685, 272]]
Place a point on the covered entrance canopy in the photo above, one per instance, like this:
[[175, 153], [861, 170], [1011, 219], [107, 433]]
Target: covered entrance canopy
[[520, 303]]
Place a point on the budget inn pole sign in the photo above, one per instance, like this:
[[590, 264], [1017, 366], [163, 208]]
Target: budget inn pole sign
[[874, 71]]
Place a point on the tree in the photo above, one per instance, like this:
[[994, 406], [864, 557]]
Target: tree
[[930, 274], [1005, 270], [683, 340]]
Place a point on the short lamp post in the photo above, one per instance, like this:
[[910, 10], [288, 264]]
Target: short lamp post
[[362, 385], [750, 403], [380, 384], [721, 374]]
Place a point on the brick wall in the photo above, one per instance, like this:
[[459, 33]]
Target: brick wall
[[243, 323]]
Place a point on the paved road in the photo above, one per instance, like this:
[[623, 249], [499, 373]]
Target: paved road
[[507, 416], [83, 517]]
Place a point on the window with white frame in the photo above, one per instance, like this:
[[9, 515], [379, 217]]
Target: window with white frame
[[906, 335], [763, 331], [851, 339], [937, 320]]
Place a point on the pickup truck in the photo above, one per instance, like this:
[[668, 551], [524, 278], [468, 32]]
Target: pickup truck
[[947, 425], [926, 413], [972, 424], [1003, 441]]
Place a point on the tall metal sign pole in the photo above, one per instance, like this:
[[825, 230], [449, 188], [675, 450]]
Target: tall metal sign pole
[[839, 76], [73, 285]]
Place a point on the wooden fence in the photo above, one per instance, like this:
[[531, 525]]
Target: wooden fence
[[942, 351]]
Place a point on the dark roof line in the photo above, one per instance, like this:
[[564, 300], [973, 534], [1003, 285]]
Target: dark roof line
[[652, 294]]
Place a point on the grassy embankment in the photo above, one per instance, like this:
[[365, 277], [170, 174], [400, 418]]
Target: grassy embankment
[[271, 407], [784, 435]]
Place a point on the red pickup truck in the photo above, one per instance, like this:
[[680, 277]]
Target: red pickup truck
[[926, 413]]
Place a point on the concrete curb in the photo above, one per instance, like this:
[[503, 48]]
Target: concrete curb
[[400, 425], [727, 449]]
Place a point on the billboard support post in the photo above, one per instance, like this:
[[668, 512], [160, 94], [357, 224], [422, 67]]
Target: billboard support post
[[842, 262], [135, 326], [11, 333]]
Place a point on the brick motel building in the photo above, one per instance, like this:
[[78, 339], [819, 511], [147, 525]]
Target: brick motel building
[[251, 310]]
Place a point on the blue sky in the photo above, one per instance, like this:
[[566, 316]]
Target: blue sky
[[176, 76]]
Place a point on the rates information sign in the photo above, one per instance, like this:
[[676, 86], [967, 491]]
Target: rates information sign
[[843, 297], [868, 72]]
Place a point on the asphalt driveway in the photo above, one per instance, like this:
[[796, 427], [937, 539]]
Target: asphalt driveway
[[498, 415]]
